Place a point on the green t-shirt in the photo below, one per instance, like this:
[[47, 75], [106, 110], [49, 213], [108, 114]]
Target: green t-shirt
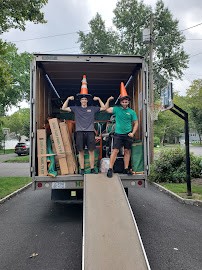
[[124, 119]]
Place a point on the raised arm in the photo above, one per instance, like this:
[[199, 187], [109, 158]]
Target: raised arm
[[109, 109], [65, 105], [108, 101], [102, 106]]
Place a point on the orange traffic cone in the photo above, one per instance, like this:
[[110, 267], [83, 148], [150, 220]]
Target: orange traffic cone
[[123, 92], [84, 89]]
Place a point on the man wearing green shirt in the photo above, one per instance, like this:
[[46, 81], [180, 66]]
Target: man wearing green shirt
[[125, 129]]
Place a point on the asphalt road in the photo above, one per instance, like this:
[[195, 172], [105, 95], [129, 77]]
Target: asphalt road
[[14, 169], [196, 150], [30, 223]]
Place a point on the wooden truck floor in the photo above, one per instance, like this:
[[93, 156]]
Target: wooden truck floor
[[111, 240]]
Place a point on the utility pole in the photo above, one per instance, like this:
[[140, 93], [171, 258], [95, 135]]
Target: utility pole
[[148, 39], [151, 91]]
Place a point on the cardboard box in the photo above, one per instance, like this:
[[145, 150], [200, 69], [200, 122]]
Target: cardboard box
[[71, 162], [57, 165], [59, 146], [41, 151]]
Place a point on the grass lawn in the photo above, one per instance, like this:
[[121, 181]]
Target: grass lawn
[[18, 159], [11, 184], [181, 190], [7, 151]]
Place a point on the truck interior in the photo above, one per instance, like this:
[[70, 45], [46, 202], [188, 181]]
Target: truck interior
[[58, 77]]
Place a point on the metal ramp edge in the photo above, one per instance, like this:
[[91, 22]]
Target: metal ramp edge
[[111, 239]]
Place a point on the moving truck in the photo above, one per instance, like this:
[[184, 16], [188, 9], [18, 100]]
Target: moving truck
[[54, 77]]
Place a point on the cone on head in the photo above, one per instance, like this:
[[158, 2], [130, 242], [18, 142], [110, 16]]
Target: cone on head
[[84, 89], [123, 92]]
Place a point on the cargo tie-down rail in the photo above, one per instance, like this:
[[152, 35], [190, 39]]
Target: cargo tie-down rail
[[111, 240]]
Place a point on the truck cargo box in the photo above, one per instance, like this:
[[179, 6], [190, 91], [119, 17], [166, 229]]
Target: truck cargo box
[[54, 78]]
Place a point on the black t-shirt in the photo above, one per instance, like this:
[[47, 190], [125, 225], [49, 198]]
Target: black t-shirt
[[84, 117]]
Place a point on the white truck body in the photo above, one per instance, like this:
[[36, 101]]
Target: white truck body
[[104, 75]]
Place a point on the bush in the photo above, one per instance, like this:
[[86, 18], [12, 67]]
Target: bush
[[171, 166], [156, 141]]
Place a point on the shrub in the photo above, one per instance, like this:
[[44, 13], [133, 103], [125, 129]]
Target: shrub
[[156, 141], [170, 166]]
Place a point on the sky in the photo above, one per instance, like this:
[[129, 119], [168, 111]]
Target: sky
[[67, 17]]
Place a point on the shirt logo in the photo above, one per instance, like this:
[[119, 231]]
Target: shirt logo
[[128, 113], [89, 110]]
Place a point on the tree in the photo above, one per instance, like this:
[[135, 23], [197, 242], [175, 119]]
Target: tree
[[19, 122], [194, 94], [15, 13], [14, 86], [99, 40], [5, 76], [170, 58], [14, 78], [170, 125], [131, 17]]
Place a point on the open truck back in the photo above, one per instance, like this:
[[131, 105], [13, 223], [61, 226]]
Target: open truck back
[[53, 79]]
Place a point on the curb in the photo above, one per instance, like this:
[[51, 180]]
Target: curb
[[14, 193], [177, 197]]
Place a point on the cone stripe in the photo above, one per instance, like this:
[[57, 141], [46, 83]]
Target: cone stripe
[[84, 89]]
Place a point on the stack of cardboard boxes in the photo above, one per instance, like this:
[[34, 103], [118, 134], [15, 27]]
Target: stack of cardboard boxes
[[62, 148]]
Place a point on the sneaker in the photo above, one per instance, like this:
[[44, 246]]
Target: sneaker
[[110, 173], [82, 171], [93, 171], [127, 171]]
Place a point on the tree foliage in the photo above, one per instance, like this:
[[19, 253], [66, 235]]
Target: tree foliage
[[14, 67], [14, 86], [194, 94], [19, 122], [15, 13], [99, 40], [131, 17], [170, 126], [170, 59]]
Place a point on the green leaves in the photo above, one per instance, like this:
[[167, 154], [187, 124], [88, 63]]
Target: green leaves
[[130, 18], [171, 166], [19, 122], [99, 40], [14, 79], [15, 13], [14, 67]]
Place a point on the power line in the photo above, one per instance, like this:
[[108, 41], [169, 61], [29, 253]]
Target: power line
[[62, 50], [193, 38], [65, 34], [191, 27]]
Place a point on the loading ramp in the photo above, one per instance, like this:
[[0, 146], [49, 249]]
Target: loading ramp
[[111, 240]]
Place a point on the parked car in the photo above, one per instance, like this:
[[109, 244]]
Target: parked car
[[22, 148]]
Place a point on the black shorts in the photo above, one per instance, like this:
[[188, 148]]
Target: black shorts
[[85, 138], [122, 140]]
